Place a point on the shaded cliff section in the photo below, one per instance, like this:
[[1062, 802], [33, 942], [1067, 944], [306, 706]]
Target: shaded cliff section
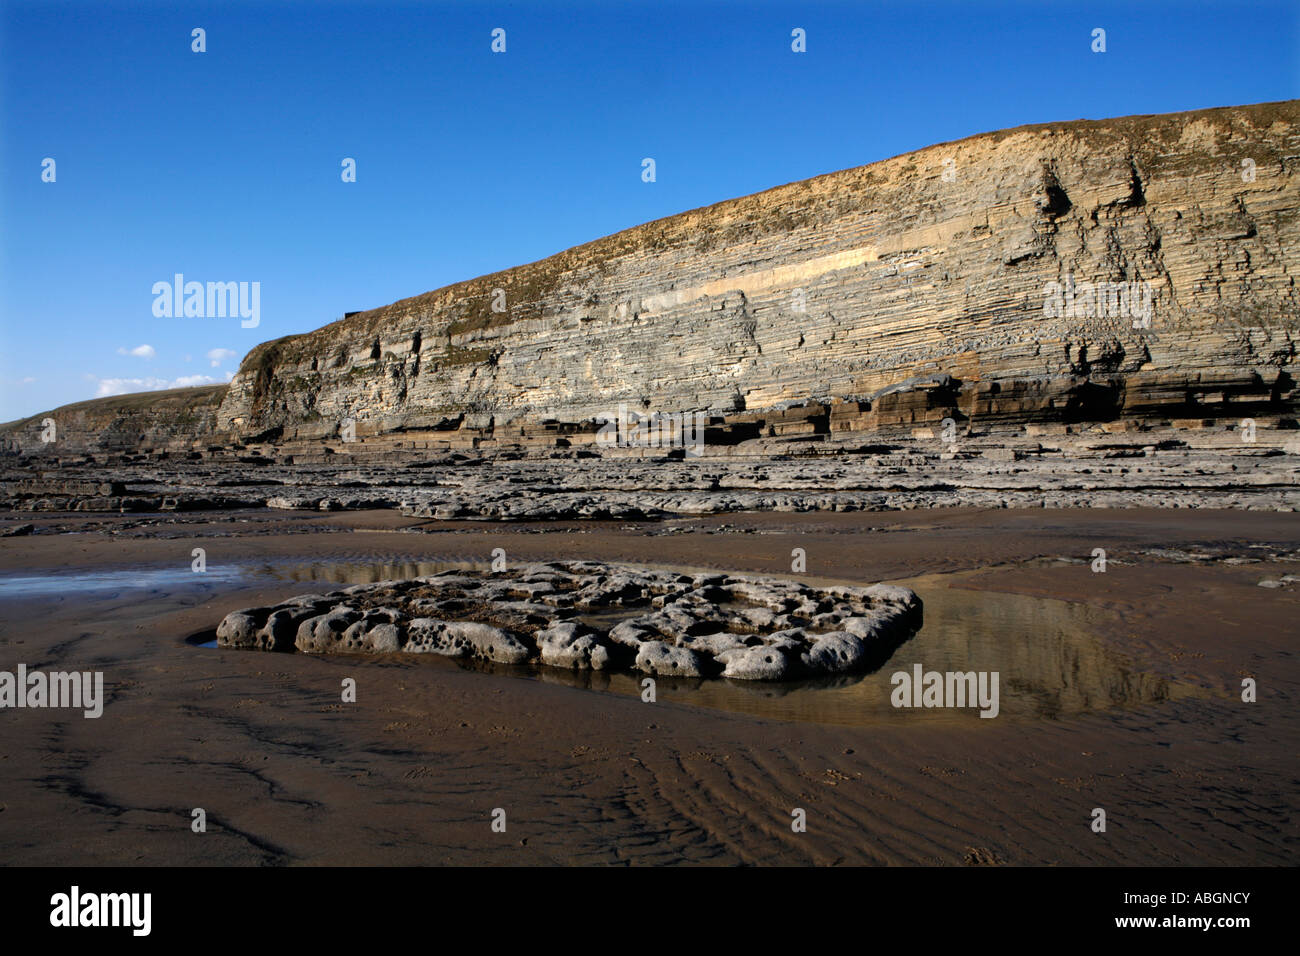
[[886, 297], [139, 424]]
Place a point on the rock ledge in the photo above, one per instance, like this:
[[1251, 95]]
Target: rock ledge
[[590, 615]]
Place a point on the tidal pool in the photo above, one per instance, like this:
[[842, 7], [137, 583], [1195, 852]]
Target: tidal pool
[[1050, 656], [1050, 661]]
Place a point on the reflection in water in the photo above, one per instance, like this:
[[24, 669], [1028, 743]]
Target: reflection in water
[[342, 572], [1050, 665], [1050, 662]]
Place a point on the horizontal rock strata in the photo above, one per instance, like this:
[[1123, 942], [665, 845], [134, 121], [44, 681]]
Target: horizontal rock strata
[[591, 616], [858, 285], [868, 301], [1042, 466]]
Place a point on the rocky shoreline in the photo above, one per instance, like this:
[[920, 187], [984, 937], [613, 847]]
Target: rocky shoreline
[[1156, 467]]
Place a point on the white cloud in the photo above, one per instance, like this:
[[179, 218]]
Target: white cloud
[[189, 381], [123, 386], [220, 355], [120, 386], [140, 351]]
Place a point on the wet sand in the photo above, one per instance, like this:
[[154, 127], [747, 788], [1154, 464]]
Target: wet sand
[[411, 772]]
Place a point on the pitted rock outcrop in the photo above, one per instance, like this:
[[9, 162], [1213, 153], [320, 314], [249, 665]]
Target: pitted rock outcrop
[[588, 615]]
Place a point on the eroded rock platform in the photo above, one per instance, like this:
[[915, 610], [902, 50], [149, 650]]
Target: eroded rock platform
[[589, 615]]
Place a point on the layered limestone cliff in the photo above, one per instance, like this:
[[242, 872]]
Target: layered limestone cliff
[[934, 263], [175, 419], [1136, 268]]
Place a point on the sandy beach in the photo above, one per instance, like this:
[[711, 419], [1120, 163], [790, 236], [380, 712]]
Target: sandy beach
[[1121, 690]]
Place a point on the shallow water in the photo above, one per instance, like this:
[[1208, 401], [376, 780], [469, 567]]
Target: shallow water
[[100, 583], [70, 583], [350, 572], [1049, 655], [1050, 659]]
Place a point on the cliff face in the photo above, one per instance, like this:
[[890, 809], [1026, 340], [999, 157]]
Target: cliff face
[[175, 419], [1085, 271], [938, 261]]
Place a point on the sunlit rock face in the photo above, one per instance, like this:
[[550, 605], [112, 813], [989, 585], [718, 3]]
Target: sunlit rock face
[[1078, 271], [1124, 272]]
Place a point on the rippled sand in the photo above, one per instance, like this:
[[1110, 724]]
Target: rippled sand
[[1119, 690]]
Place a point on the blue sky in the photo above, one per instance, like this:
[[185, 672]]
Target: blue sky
[[225, 165]]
